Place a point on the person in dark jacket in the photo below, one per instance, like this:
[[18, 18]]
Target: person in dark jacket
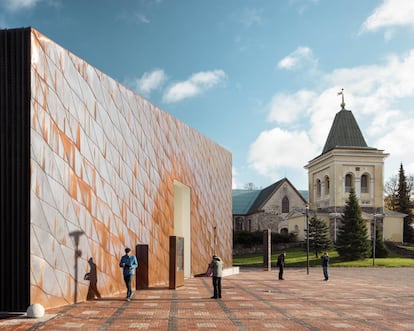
[[325, 263], [129, 263], [281, 264]]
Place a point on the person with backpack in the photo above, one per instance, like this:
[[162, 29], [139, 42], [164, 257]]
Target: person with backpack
[[217, 265]]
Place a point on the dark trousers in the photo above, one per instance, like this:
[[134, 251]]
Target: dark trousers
[[325, 272], [281, 267], [127, 279], [217, 286]]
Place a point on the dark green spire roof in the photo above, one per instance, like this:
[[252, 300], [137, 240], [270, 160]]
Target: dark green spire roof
[[344, 132]]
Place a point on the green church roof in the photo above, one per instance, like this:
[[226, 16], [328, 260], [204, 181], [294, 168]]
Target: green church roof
[[242, 200], [344, 132]]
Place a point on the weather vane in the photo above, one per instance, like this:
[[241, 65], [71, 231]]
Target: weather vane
[[343, 102]]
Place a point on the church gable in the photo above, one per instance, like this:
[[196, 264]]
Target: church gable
[[270, 209]]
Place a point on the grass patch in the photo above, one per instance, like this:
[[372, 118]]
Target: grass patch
[[408, 248], [296, 257]]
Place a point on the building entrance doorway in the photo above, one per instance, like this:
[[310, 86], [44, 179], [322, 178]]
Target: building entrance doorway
[[182, 221]]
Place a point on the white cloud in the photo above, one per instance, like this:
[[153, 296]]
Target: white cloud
[[286, 108], [195, 85], [249, 17], [381, 97], [302, 57], [389, 14], [142, 18], [302, 5], [150, 81], [235, 182], [277, 148], [14, 5]]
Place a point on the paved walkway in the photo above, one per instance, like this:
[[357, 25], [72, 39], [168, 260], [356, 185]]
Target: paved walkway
[[353, 299]]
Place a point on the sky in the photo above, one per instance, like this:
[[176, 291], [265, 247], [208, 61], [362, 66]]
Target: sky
[[259, 77]]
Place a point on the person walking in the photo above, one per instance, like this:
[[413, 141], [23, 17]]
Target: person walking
[[129, 263], [281, 264], [325, 263], [217, 265]]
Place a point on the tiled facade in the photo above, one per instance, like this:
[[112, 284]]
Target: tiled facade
[[103, 162]]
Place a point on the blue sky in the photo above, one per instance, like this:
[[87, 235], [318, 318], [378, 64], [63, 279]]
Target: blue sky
[[259, 77]]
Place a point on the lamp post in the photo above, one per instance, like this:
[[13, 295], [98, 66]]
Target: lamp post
[[215, 240], [307, 239], [374, 239]]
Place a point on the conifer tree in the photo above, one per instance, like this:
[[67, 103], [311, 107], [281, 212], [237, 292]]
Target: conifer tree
[[318, 235], [352, 242], [404, 204]]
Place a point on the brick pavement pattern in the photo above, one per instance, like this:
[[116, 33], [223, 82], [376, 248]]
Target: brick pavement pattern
[[353, 299]]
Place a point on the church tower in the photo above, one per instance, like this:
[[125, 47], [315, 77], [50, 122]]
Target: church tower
[[346, 162]]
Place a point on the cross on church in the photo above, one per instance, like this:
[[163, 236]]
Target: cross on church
[[343, 102]]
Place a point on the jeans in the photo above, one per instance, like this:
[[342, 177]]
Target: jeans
[[127, 279], [325, 272]]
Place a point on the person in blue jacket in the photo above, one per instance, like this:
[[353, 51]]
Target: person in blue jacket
[[129, 263]]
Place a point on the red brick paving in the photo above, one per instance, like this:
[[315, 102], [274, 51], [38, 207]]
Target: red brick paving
[[353, 299]]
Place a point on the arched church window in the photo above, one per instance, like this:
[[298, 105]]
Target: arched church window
[[318, 188], [326, 185], [348, 183], [364, 183], [239, 223], [285, 205], [284, 231]]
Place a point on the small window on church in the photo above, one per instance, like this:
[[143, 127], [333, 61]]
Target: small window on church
[[326, 185], [285, 205], [364, 184], [239, 224], [318, 188], [348, 183]]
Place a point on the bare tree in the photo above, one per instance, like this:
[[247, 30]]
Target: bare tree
[[391, 190], [250, 186]]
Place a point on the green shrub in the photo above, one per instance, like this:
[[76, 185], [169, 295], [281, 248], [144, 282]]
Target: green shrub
[[247, 239]]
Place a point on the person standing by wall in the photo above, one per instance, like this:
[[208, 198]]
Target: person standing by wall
[[129, 263], [217, 265], [281, 264], [325, 263]]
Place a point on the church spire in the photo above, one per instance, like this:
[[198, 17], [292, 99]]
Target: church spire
[[343, 102], [345, 132]]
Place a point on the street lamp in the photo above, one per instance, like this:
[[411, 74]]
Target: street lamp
[[307, 239], [374, 239], [374, 235], [215, 240]]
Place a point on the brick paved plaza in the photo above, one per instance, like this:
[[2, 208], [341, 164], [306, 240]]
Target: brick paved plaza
[[353, 299]]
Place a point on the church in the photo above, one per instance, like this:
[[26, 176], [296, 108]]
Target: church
[[346, 163]]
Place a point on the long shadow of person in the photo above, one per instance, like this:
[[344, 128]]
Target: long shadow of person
[[93, 280]]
